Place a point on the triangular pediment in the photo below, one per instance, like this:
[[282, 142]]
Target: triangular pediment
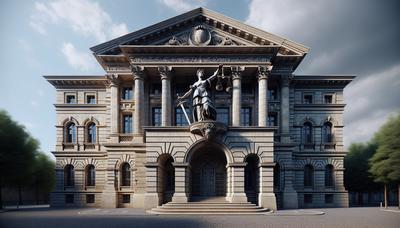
[[201, 27]]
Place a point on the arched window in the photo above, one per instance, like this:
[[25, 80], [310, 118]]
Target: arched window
[[90, 175], [125, 174], [277, 176], [307, 132], [308, 176], [329, 175], [69, 175], [327, 132], [70, 134], [91, 133]]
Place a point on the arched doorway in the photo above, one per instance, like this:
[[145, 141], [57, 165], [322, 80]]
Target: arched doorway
[[208, 172], [166, 178], [251, 178]]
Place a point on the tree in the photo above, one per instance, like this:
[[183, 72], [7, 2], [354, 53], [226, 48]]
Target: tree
[[385, 164], [356, 177], [43, 174]]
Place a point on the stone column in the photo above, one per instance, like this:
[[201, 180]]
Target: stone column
[[165, 73], [182, 179], [151, 197], [266, 197], [114, 82], [138, 76], [263, 73], [238, 194], [109, 195], [285, 137], [236, 94]]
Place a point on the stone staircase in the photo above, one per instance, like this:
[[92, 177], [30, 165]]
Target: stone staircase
[[209, 207]]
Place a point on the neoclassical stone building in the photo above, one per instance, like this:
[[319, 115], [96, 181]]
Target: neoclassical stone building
[[124, 139]]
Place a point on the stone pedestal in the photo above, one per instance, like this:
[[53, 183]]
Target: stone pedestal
[[151, 197], [181, 182], [238, 194], [266, 197]]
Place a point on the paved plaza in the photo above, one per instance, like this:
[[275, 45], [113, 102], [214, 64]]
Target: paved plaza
[[339, 217]]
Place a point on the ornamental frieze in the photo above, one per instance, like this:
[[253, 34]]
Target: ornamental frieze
[[198, 59]]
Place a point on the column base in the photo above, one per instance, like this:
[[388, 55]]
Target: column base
[[151, 200], [267, 200], [109, 199], [238, 198], [179, 198], [290, 200], [138, 200]]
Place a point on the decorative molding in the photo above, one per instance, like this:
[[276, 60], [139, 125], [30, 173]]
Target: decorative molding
[[138, 72], [165, 72], [237, 72]]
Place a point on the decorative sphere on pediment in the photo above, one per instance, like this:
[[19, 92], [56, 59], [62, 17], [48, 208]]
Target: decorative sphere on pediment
[[200, 36]]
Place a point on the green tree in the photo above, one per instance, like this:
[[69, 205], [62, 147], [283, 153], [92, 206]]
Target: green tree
[[43, 174], [385, 164], [356, 177]]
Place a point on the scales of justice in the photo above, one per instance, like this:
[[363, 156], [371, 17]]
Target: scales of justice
[[204, 112]]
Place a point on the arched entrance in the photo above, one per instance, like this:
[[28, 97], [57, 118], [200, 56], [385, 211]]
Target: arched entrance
[[251, 173], [166, 178], [208, 172]]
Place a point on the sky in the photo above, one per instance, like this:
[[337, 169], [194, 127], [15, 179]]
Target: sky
[[345, 37]]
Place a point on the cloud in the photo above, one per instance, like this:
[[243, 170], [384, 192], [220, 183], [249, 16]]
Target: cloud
[[345, 37], [183, 5], [82, 16], [366, 108], [78, 60]]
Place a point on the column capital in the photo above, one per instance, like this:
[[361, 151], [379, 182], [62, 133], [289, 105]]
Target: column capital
[[165, 72], [264, 71], [137, 72], [112, 79], [237, 72]]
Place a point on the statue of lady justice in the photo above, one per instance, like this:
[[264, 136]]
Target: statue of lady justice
[[203, 107]]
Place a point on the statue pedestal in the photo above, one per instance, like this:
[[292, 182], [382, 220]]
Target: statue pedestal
[[208, 129]]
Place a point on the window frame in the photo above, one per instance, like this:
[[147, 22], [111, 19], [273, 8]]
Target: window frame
[[90, 172], [88, 94], [309, 175], [308, 94], [179, 111], [70, 138], [126, 175], [69, 94], [69, 176], [244, 114], [127, 128], [127, 96], [228, 112]]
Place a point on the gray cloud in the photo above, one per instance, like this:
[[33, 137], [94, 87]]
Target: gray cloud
[[345, 37]]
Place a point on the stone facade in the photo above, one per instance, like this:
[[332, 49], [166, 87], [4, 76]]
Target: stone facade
[[123, 140]]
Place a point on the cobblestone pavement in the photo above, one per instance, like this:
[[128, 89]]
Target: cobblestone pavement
[[76, 218]]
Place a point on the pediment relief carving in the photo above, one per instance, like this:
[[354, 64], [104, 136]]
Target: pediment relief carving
[[202, 35]]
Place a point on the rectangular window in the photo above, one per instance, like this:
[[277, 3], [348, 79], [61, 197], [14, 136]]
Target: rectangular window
[[69, 198], [90, 99], [223, 115], [328, 99], [180, 118], [70, 99], [308, 99], [156, 116], [272, 94], [126, 198], [308, 198], [272, 119], [245, 116], [328, 198], [156, 89], [127, 124], [127, 93], [90, 198]]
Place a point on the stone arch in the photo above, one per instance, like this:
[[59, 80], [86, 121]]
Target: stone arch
[[68, 161], [329, 119], [200, 143], [91, 161], [69, 120], [87, 121], [309, 120], [125, 158]]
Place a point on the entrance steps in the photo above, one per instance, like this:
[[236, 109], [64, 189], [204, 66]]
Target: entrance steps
[[209, 208]]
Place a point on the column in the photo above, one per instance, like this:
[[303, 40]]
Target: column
[[263, 73], [266, 197], [285, 80], [182, 179], [109, 196], [114, 82], [236, 94], [165, 73], [238, 194], [151, 198], [138, 77]]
